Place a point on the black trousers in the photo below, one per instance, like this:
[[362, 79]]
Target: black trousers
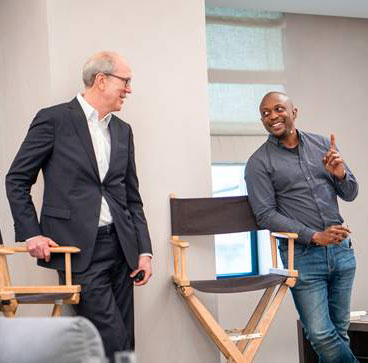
[[107, 293]]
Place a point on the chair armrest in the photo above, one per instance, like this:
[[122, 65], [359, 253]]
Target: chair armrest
[[6, 251], [67, 250], [285, 235], [283, 272], [6, 295], [61, 249], [290, 237], [180, 261]]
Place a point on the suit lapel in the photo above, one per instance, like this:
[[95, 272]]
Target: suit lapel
[[114, 129], [80, 123]]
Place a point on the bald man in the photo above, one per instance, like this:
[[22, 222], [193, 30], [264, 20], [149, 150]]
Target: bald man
[[293, 181], [91, 198]]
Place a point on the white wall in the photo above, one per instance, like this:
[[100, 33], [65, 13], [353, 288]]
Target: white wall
[[24, 89], [44, 44]]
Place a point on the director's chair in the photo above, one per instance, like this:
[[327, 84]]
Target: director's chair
[[11, 296], [209, 216]]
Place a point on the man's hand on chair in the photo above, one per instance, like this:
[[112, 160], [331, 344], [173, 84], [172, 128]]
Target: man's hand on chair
[[39, 247], [144, 264], [332, 235]]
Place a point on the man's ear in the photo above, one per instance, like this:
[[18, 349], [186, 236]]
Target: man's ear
[[295, 112], [100, 81]]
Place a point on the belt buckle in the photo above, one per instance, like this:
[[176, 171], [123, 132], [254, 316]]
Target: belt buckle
[[110, 228]]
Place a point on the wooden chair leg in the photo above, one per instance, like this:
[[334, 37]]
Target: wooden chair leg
[[10, 310], [213, 329], [9, 313], [56, 311], [266, 323], [255, 319]]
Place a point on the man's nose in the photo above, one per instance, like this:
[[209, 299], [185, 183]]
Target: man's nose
[[273, 115]]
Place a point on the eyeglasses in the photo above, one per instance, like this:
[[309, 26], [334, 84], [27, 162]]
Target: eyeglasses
[[126, 81]]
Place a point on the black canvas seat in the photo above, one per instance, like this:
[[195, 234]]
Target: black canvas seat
[[32, 298], [238, 284]]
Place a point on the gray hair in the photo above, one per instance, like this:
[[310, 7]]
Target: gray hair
[[103, 62]]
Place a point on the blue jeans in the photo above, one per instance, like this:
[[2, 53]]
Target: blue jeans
[[322, 297]]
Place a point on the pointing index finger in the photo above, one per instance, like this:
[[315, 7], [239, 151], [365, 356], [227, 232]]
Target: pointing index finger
[[333, 142]]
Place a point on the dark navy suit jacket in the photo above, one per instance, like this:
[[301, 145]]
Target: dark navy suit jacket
[[59, 143]]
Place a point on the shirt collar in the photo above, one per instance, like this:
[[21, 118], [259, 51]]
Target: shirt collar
[[91, 113], [277, 142]]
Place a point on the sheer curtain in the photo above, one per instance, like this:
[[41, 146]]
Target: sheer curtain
[[245, 61]]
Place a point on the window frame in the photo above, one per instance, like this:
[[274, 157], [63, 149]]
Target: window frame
[[254, 260]]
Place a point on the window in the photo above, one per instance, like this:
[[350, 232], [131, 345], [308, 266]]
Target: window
[[245, 61], [236, 253]]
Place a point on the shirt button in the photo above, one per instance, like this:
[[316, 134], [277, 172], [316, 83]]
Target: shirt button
[[308, 178]]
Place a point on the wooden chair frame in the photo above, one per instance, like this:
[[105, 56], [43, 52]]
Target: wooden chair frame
[[243, 347], [11, 295]]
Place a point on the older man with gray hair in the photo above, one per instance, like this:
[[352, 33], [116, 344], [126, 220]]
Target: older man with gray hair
[[91, 198]]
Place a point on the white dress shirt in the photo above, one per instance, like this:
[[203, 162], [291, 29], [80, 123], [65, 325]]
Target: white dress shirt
[[100, 135]]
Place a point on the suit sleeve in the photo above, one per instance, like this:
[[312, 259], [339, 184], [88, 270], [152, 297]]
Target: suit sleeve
[[32, 155], [134, 201]]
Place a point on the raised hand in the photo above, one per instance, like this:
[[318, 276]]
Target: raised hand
[[333, 162]]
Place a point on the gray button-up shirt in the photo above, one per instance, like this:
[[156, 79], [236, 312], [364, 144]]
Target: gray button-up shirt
[[294, 193]]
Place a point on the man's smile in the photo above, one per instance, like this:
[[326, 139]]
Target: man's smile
[[277, 124]]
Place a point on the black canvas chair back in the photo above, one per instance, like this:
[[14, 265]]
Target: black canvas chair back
[[210, 216], [205, 216]]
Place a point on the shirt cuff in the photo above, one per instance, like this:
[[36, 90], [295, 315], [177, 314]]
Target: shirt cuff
[[344, 180], [146, 254], [305, 236]]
